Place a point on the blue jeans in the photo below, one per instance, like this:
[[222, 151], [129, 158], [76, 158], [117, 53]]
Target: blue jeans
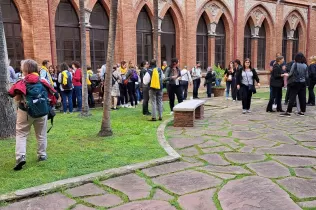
[[209, 90], [67, 95], [196, 86], [218, 82], [138, 94], [78, 90], [228, 87]]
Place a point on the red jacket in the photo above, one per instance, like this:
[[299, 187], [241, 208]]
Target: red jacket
[[77, 78], [19, 87]]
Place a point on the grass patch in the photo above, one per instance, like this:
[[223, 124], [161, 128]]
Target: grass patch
[[74, 148]]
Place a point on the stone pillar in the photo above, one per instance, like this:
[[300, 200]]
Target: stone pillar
[[159, 49], [88, 26], [190, 34], [254, 52], [289, 50], [211, 50]]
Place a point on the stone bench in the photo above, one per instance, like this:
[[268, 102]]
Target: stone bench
[[186, 112]]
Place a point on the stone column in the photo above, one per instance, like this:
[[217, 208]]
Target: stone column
[[88, 27], [211, 43], [254, 52], [189, 57], [289, 50], [159, 42]]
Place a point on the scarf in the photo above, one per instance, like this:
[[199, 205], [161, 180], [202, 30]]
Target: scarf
[[49, 77], [123, 71]]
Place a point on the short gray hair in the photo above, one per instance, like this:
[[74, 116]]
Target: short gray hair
[[29, 66]]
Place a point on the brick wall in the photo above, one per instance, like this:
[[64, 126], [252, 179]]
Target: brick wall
[[37, 43]]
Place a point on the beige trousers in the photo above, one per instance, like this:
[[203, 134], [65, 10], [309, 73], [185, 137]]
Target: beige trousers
[[24, 123]]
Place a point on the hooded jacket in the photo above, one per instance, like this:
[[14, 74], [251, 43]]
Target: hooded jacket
[[19, 88]]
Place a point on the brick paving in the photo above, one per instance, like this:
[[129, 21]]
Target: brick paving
[[230, 161]]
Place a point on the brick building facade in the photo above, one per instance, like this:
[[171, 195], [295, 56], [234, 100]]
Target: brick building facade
[[211, 31]]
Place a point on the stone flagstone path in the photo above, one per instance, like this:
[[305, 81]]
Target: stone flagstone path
[[230, 161]]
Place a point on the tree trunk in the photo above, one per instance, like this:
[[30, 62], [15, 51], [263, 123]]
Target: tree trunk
[[85, 105], [156, 18], [106, 129], [7, 111]]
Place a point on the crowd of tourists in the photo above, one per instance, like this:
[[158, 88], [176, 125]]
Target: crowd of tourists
[[37, 90]]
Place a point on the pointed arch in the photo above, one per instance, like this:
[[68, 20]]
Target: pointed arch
[[259, 15], [105, 3], [178, 20], [12, 29], [213, 11], [147, 5]]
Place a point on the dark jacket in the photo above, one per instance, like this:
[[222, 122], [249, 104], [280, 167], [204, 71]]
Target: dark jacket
[[276, 79], [239, 77], [168, 75], [312, 72], [209, 78]]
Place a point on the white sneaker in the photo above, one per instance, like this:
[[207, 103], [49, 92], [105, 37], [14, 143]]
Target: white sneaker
[[171, 113], [248, 111], [244, 111]]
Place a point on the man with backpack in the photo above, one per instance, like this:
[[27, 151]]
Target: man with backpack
[[145, 89], [66, 87], [154, 79], [44, 73], [35, 98]]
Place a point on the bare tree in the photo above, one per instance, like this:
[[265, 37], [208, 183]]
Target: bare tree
[[156, 18], [106, 129], [7, 111], [85, 105]]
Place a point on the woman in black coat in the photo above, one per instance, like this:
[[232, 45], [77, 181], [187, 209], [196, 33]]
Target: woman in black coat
[[276, 84]]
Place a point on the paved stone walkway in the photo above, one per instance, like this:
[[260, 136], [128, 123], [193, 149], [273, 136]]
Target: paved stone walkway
[[230, 161]]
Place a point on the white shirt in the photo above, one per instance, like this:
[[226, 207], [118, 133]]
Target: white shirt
[[186, 75], [196, 73], [103, 70]]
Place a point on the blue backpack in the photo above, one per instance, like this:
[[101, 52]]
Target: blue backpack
[[37, 103], [67, 86]]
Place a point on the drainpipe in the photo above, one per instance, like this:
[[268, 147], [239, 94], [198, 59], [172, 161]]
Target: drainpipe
[[308, 29], [50, 32], [235, 30]]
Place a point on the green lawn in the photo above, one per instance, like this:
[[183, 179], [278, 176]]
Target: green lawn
[[74, 148]]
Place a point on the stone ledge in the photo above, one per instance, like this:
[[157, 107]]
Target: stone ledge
[[79, 180]]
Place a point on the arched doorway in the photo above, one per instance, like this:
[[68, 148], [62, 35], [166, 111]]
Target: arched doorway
[[144, 37], [296, 41], [284, 43], [168, 38], [202, 43], [12, 29], [67, 33], [99, 35], [261, 48], [247, 41], [220, 43]]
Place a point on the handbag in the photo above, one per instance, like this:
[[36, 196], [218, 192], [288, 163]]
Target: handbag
[[291, 78], [251, 88]]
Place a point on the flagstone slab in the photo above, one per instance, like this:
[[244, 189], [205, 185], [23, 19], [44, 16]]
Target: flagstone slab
[[82, 207], [168, 168], [132, 185], [258, 143], [246, 149], [85, 190], [216, 133], [107, 200], [239, 128], [230, 142], [309, 144], [226, 169], [42, 202], [305, 137], [217, 149], [255, 193], [198, 201], [146, 205], [296, 161], [187, 181], [280, 138], [288, 149], [224, 176], [190, 159], [246, 135], [270, 169], [305, 172], [214, 159], [244, 157], [209, 143], [301, 188], [161, 195], [179, 143], [189, 152], [307, 204]]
